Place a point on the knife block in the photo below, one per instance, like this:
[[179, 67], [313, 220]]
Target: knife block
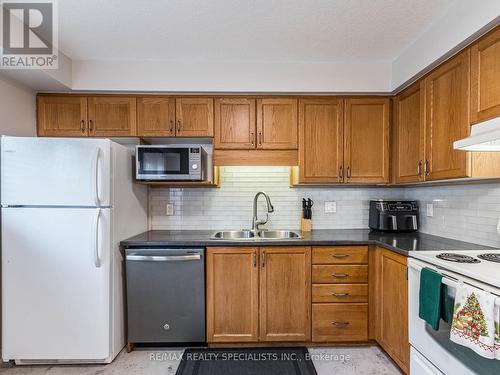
[[305, 225]]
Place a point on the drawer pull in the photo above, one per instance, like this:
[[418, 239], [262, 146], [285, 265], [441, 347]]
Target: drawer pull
[[340, 294], [340, 324], [340, 256], [340, 275]]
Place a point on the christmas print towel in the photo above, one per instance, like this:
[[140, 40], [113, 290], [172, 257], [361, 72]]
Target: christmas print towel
[[473, 322], [497, 327]]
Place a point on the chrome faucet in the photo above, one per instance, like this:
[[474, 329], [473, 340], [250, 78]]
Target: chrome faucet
[[255, 221]]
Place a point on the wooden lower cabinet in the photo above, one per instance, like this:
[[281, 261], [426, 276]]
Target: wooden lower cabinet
[[258, 294], [232, 294], [291, 294], [285, 294], [391, 312]]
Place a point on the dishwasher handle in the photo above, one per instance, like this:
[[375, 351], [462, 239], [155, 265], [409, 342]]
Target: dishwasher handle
[[163, 258]]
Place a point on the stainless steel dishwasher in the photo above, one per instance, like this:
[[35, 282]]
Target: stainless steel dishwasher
[[166, 295]]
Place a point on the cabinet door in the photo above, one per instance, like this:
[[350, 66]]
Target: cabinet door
[[195, 117], [392, 306], [112, 116], [447, 118], [234, 123], [155, 117], [285, 294], [320, 140], [62, 116], [409, 148], [485, 78], [277, 124], [232, 294], [366, 140]]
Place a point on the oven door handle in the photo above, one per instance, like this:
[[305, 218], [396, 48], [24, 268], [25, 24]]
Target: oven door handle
[[451, 282]]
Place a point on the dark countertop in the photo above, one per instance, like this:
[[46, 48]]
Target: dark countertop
[[402, 243]]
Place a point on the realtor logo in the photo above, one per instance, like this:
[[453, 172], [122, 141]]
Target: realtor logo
[[29, 34]]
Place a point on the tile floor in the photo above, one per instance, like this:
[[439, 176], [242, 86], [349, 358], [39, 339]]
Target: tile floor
[[328, 361]]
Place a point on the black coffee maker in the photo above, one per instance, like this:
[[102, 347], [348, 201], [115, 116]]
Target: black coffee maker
[[394, 216]]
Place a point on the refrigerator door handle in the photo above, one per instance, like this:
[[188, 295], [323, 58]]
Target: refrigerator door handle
[[97, 259], [95, 170]]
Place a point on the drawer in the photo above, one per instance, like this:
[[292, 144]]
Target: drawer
[[340, 255], [340, 293], [333, 322], [339, 274]]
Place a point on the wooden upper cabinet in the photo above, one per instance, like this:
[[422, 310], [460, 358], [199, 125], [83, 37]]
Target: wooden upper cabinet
[[64, 116], [366, 140], [195, 117], [392, 306], [447, 118], [112, 116], [277, 123], [409, 131], [155, 117], [485, 77], [285, 294], [235, 126], [232, 294], [320, 140]]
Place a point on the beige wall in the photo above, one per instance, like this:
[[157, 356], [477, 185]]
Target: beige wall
[[17, 108]]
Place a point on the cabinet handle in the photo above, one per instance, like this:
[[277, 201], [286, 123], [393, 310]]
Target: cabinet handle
[[348, 172], [263, 259], [252, 138], [426, 168], [340, 275], [419, 168], [340, 324], [82, 126], [341, 172], [340, 256], [254, 257], [340, 294], [91, 125], [171, 126], [260, 138], [178, 125]]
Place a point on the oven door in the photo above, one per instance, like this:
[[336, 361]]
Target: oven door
[[162, 163], [436, 346]]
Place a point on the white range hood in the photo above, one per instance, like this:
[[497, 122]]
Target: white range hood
[[484, 136]]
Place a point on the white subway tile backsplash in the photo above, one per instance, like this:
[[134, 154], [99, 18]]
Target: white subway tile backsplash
[[467, 212]]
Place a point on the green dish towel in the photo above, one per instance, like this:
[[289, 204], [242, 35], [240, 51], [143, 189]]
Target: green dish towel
[[430, 297]]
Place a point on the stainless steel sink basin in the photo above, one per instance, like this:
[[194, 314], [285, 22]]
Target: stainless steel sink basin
[[279, 235], [261, 235], [233, 235]]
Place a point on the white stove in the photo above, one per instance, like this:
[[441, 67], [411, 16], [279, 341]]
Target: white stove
[[470, 263], [432, 352]]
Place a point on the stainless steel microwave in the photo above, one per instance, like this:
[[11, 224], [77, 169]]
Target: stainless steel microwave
[[176, 162]]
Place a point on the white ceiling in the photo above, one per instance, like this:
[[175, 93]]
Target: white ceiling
[[243, 30]]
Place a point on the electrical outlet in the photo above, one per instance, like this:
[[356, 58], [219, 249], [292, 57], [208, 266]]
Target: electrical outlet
[[170, 209], [430, 210], [330, 207]]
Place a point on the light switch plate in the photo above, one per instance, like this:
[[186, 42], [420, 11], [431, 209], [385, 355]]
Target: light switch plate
[[170, 209], [330, 207], [430, 209]]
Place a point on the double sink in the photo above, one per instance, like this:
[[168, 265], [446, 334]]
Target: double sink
[[256, 235]]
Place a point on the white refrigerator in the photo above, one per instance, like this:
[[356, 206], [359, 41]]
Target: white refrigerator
[[66, 205]]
